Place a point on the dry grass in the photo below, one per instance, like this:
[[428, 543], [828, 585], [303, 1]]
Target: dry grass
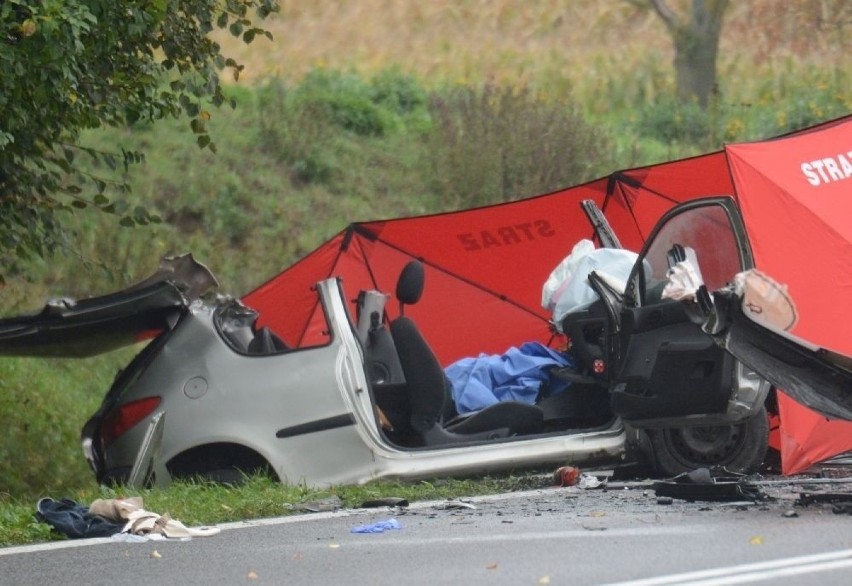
[[558, 46]]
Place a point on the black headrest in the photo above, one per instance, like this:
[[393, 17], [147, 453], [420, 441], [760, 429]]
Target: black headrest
[[409, 287]]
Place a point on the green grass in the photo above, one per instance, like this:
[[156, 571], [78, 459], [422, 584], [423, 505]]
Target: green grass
[[201, 503], [43, 406], [365, 139]]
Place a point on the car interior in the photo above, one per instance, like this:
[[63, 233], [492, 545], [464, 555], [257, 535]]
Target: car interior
[[412, 392]]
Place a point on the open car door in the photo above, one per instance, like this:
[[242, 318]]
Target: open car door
[[668, 371], [698, 359]]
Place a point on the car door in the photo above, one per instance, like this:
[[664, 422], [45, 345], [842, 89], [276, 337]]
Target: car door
[[668, 370]]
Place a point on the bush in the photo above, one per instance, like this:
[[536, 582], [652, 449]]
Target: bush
[[298, 133], [802, 106], [500, 144], [670, 121], [346, 100]]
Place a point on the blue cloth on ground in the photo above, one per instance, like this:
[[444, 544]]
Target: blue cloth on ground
[[74, 520], [377, 527], [516, 375]]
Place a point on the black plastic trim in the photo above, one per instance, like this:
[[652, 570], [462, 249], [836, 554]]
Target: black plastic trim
[[318, 425]]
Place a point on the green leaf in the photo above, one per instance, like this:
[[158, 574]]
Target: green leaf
[[203, 140]]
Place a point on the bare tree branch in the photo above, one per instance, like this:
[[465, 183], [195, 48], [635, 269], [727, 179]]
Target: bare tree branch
[[666, 13]]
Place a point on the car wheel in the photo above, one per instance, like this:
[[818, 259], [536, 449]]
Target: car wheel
[[738, 448]]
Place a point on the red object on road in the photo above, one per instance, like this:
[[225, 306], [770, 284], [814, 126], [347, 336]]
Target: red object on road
[[567, 475]]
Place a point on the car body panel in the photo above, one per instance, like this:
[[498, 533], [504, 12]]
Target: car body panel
[[813, 376], [69, 328], [300, 396]]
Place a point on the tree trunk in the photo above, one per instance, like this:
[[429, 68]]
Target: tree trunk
[[696, 44]]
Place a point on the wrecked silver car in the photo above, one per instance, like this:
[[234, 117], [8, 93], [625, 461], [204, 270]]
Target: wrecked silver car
[[211, 394]]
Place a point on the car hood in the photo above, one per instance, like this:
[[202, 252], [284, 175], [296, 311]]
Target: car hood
[[78, 328]]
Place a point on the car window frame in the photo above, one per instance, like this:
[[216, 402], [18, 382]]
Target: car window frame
[[635, 294]]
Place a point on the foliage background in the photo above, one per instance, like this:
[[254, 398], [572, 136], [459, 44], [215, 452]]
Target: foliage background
[[380, 108]]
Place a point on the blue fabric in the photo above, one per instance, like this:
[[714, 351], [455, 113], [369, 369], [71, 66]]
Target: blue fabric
[[516, 375], [377, 527], [74, 520]]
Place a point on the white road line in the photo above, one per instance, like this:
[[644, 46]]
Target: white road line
[[298, 518], [756, 572]]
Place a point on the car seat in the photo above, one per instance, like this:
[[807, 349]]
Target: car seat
[[426, 386]]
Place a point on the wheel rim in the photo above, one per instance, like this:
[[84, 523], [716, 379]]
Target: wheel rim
[[712, 445]]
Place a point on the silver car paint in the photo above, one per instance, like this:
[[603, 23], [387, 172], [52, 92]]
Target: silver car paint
[[250, 398]]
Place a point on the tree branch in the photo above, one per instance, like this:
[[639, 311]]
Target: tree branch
[[666, 13]]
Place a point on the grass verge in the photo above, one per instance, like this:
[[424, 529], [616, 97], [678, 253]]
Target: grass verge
[[202, 503]]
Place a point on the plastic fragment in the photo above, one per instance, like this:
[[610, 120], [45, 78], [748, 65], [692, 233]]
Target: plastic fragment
[[377, 527], [589, 481]]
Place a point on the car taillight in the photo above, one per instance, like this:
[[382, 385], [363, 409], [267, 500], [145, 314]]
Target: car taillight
[[118, 421]]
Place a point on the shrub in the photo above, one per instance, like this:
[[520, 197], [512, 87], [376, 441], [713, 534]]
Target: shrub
[[346, 100], [501, 143], [298, 133], [670, 121]]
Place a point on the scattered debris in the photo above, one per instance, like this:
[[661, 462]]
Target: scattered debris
[[703, 485], [807, 498], [111, 517], [377, 527], [331, 503], [589, 481], [790, 514], [566, 475], [841, 502], [385, 502], [450, 505]]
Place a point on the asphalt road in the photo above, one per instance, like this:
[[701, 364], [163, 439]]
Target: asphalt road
[[564, 535]]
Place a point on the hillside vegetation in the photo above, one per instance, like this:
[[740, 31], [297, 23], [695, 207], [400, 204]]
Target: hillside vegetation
[[380, 108]]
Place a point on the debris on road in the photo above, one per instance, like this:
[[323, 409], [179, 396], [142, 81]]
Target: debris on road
[[704, 485], [377, 527], [566, 475], [332, 503], [385, 502]]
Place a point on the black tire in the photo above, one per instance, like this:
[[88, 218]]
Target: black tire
[[738, 448]]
